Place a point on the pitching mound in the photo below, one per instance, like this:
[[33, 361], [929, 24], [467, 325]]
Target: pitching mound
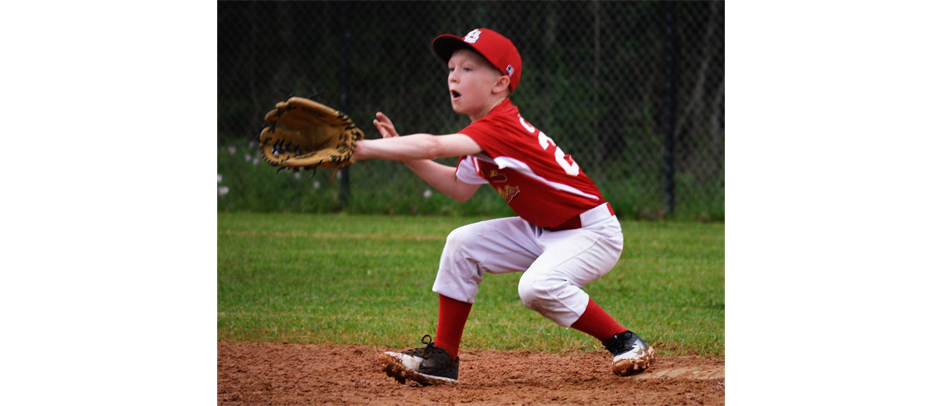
[[255, 373]]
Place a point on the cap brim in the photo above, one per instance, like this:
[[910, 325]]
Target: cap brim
[[447, 44]]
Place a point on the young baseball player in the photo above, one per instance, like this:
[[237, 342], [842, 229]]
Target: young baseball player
[[566, 234]]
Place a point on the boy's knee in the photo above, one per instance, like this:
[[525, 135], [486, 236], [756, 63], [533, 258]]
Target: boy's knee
[[536, 294], [458, 239], [555, 298], [455, 249]]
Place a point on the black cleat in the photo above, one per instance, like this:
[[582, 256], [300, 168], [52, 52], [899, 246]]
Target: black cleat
[[429, 365]]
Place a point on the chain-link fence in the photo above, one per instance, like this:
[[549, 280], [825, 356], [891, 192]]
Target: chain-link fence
[[633, 90]]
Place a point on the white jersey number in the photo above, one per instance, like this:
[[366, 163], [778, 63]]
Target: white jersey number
[[565, 161]]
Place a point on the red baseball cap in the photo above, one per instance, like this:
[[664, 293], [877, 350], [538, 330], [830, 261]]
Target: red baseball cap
[[496, 48]]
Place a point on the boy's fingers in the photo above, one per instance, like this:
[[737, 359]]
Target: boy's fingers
[[382, 117], [385, 125], [385, 130]]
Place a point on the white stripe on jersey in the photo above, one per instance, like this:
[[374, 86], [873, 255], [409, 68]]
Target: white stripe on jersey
[[516, 165], [524, 169]]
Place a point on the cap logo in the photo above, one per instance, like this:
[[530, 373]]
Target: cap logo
[[510, 70], [472, 36]]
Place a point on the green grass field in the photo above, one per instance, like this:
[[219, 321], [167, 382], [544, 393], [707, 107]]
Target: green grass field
[[357, 279]]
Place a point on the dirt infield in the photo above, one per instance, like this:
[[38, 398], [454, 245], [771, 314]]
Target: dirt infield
[[256, 373]]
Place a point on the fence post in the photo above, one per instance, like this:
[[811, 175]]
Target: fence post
[[344, 93], [670, 103]]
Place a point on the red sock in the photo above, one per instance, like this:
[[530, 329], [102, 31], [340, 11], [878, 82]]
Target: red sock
[[597, 323], [452, 315]]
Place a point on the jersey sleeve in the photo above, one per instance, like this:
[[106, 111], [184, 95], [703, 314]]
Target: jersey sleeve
[[468, 173]]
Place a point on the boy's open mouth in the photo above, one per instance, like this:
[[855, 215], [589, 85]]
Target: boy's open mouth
[[455, 94]]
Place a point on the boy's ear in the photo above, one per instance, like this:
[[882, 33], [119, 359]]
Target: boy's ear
[[502, 84]]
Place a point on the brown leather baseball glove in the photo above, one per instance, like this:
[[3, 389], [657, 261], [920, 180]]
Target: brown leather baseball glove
[[303, 134]]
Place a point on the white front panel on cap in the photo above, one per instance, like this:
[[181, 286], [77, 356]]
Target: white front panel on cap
[[472, 36]]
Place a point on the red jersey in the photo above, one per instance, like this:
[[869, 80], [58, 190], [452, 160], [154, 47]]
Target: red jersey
[[542, 184]]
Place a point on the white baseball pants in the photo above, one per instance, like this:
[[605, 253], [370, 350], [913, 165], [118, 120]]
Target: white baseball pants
[[556, 264]]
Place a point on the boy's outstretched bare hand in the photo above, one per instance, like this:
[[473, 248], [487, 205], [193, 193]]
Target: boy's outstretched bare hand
[[385, 126]]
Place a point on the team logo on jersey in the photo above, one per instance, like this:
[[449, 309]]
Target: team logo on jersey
[[508, 192], [472, 36], [495, 176]]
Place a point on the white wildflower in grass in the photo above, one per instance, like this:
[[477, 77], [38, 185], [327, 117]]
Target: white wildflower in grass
[[252, 144], [218, 178], [248, 158], [317, 184], [428, 193], [223, 191], [297, 175], [232, 150], [255, 161]]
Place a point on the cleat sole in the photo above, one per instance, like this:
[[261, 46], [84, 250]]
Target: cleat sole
[[637, 365]]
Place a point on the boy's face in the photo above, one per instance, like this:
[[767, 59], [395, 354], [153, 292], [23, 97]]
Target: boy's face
[[471, 80]]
